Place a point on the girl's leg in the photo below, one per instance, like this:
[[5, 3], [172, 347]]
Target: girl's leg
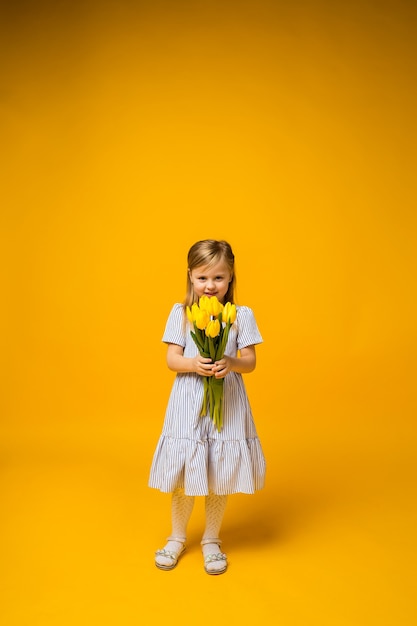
[[181, 509], [215, 507]]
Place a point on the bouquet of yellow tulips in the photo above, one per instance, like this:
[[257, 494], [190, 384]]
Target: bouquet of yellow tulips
[[211, 321]]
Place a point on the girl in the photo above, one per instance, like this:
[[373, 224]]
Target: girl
[[192, 458]]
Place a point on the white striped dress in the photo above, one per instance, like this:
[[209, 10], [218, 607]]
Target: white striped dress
[[191, 453]]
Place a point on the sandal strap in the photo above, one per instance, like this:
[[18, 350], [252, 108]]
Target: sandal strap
[[212, 558], [172, 554], [168, 554], [204, 542]]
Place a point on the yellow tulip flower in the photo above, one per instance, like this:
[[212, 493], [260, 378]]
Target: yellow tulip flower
[[214, 307], [226, 312], [203, 303], [233, 314], [213, 328], [229, 313], [192, 313], [211, 305], [202, 318]]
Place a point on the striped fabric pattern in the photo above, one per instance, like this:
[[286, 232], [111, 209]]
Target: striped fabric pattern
[[191, 453]]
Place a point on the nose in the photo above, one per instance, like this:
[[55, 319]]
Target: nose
[[210, 285]]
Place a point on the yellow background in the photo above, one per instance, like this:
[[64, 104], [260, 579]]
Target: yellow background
[[129, 131]]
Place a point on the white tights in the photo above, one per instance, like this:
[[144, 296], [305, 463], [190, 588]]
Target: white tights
[[215, 506], [181, 510]]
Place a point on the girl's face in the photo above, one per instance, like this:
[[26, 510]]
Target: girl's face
[[213, 281]]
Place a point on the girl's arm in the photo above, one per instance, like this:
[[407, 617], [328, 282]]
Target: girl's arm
[[242, 365], [177, 362]]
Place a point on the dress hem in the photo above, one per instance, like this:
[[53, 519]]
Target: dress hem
[[208, 466]]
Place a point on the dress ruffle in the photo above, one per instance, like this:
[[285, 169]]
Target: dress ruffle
[[210, 465]]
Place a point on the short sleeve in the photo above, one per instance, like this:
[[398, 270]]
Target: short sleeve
[[247, 329], [175, 327]]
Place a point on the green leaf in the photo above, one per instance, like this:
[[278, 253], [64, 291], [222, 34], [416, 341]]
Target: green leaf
[[212, 349], [196, 341]]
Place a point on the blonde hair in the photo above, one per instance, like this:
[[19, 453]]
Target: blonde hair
[[209, 252]]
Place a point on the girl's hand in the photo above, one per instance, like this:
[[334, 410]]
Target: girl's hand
[[202, 366], [222, 367]]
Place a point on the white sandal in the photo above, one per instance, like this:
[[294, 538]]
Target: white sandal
[[214, 558], [171, 555]]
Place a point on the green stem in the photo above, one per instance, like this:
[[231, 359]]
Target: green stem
[[205, 396], [216, 401]]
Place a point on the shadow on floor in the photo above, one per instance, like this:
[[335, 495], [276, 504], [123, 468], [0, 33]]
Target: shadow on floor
[[277, 514]]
